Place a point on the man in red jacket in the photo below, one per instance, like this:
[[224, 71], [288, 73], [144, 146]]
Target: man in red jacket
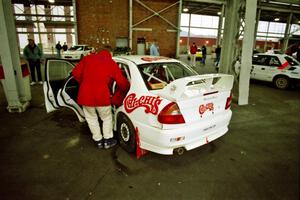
[[95, 74], [193, 51]]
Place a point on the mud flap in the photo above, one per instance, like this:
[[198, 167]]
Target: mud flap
[[139, 151]]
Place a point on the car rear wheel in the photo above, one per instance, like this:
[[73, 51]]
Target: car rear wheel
[[126, 133], [281, 82]]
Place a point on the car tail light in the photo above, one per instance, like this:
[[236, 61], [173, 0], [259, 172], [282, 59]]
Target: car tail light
[[171, 114], [228, 102]]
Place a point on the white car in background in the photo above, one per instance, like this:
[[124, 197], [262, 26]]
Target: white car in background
[[281, 69], [169, 106], [77, 52]]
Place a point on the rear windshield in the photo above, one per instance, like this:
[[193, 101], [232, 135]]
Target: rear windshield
[[157, 75], [291, 61]]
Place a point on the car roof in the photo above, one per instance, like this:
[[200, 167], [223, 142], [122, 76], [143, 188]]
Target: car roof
[[145, 59], [79, 45], [270, 54]]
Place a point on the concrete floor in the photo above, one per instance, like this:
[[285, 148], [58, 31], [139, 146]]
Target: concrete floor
[[51, 156]]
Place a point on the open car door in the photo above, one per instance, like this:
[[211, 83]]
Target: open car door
[[60, 88]]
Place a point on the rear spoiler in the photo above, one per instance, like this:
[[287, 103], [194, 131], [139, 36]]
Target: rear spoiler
[[197, 85]]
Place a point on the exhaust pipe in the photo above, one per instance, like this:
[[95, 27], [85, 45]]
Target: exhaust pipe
[[179, 151]]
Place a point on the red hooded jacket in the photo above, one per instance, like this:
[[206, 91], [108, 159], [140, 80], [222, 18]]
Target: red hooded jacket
[[193, 49], [95, 74]]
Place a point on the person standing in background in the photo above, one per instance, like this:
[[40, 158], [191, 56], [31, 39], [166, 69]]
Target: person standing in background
[[65, 46], [33, 54], [193, 51], [58, 49], [203, 49], [218, 54], [154, 49]]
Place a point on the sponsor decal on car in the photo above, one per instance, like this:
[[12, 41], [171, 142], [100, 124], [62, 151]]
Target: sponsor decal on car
[[204, 107], [151, 103], [283, 66]]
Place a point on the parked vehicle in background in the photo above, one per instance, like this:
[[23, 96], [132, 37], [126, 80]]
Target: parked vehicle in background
[[280, 69], [77, 52], [169, 106]]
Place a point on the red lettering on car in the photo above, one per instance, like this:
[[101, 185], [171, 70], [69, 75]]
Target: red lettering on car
[[204, 107], [151, 103]]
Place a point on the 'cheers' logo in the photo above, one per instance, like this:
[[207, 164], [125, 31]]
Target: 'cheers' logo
[[131, 102]]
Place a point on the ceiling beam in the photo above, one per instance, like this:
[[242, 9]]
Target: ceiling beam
[[283, 1], [207, 1], [279, 8], [43, 2]]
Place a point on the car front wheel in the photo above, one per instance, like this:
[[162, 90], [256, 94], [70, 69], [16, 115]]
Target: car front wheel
[[282, 82], [126, 133]]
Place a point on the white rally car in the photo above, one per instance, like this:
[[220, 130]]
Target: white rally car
[[168, 107], [77, 52], [281, 69]]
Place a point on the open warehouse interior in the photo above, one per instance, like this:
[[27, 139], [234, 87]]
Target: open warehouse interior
[[214, 113]]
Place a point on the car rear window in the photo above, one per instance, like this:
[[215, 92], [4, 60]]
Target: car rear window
[[157, 75], [291, 61]]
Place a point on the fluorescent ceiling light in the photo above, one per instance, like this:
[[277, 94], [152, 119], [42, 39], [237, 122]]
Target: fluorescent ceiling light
[[185, 10], [51, 1], [276, 19], [219, 13]]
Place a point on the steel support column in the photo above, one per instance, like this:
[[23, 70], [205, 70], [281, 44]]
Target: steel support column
[[130, 24], [247, 49], [287, 33], [256, 27], [14, 84], [220, 25], [67, 11], [189, 34], [27, 10], [75, 21], [178, 29], [38, 25], [230, 36]]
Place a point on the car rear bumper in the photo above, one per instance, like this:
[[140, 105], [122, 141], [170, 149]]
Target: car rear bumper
[[188, 137]]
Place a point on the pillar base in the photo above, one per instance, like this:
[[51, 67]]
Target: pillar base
[[22, 108]]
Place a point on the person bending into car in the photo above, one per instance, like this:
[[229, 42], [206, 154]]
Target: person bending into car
[[95, 73]]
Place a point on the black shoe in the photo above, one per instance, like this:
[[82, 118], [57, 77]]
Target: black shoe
[[99, 144], [108, 143]]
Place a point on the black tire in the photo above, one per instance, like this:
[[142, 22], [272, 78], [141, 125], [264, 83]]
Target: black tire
[[81, 56], [281, 82], [126, 133]]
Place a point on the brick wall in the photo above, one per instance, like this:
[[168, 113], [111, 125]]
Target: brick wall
[[100, 22]]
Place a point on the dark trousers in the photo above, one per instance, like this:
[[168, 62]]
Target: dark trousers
[[35, 65]]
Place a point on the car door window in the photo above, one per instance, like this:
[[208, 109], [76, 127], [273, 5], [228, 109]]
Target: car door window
[[291, 61], [57, 73], [125, 70], [274, 61], [260, 60]]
